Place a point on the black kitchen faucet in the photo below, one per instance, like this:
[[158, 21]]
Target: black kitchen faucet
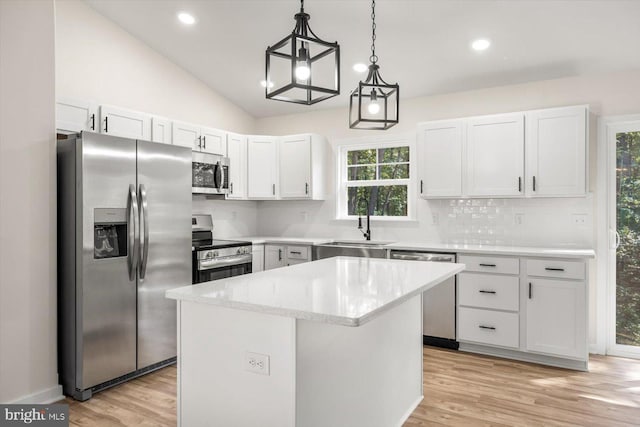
[[367, 234]]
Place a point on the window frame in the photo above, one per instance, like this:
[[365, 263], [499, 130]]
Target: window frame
[[342, 147]]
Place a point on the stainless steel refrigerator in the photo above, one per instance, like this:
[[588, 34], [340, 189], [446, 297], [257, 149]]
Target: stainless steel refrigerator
[[124, 238]]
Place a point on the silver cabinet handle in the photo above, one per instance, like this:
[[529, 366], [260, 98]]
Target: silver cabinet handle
[[144, 234], [93, 121], [296, 252], [486, 265], [274, 189], [132, 228], [519, 184], [106, 124], [231, 188], [486, 292], [534, 183], [487, 327], [530, 291], [421, 186], [200, 142], [204, 142], [306, 188], [279, 254], [553, 269]]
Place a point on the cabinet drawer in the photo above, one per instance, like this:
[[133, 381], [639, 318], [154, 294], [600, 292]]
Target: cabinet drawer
[[488, 291], [298, 252], [556, 268], [488, 327], [490, 264]]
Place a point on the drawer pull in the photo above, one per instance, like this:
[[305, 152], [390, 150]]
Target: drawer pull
[[487, 265], [296, 252], [530, 291], [487, 292], [487, 327], [553, 269]]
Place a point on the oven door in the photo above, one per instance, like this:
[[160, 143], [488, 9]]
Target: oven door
[[221, 272]]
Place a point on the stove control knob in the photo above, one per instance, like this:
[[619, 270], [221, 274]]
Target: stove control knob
[[239, 251], [215, 254]]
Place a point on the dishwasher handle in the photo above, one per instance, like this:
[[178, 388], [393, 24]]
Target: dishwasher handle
[[417, 256]]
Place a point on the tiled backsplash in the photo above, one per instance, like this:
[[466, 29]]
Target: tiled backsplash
[[514, 221]]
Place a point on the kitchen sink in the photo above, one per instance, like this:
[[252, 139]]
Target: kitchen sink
[[364, 249]]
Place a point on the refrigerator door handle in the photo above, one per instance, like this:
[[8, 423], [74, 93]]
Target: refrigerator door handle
[[144, 232], [133, 229]]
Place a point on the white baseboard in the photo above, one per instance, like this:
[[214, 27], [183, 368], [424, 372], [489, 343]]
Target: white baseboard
[[44, 397], [413, 407]]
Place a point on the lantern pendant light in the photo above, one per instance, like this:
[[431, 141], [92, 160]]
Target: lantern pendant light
[[374, 104], [301, 67]]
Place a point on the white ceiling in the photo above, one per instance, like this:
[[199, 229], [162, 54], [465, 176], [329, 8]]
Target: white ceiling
[[422, 45]]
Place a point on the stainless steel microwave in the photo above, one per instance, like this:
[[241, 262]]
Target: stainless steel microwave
[[210, 174]]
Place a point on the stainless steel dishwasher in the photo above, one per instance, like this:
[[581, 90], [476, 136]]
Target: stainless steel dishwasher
[[438, 303]]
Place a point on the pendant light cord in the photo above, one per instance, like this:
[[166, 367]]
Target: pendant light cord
[[301, 6], [373, 58]]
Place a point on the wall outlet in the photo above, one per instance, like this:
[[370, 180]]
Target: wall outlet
[[518, 218], [256, 363], [579, 219]]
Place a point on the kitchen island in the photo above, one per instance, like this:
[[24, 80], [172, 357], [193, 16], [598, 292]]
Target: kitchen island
[[335, 342]]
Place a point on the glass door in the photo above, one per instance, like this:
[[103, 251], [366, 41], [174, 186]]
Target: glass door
[[624, 210]]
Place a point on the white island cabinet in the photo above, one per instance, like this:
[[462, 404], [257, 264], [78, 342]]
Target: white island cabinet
[[336, 342]]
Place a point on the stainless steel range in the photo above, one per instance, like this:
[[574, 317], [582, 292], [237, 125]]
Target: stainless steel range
[[216, 259]]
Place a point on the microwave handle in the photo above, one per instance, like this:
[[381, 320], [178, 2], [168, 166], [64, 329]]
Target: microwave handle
[[219, 178]]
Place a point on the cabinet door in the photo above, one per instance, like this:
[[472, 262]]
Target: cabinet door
[[495, 155], [186, 135], [440, 158], [257, 256], [274, 256], [262, 155], [160, 130], [75, 115], [125, 123], [557, 152], [214, 141], [237, 152], [556, 317], [295, 167]]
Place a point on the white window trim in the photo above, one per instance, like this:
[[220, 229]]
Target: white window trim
[[387, 141]]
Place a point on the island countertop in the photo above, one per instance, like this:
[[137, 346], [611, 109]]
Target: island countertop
[[345, 291]]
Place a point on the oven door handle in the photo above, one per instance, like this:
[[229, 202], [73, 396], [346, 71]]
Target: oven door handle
[[205, 264]]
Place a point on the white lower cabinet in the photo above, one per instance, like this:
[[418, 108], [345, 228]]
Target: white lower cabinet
[[489, 327], [280, 255], [556, 317], [532, 309], [257, 258]]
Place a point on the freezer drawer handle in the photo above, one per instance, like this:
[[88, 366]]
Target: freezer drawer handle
[[553, 269], [133, 228], [144, 232], [487, 292], [487, 265], [487, 327]]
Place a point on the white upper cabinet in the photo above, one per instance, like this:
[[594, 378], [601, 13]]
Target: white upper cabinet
[[125, 123], [213, 141], [76, 115], [557, 152], [199, 138], [237, 152], [186, 135], [440, 158], [295, 167], [262, 167], [160, 130], [495, 155]]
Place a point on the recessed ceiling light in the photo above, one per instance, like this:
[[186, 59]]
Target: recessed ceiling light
[[263, 83], [480, 44], [360, 67], [186, 18]]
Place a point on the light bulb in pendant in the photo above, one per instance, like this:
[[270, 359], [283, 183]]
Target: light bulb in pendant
[[303, 72], [374, 105]]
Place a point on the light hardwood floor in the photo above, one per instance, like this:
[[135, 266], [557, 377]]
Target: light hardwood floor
[[461, 389]]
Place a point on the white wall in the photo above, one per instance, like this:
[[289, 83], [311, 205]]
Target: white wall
[[96, 59], [28, 362]]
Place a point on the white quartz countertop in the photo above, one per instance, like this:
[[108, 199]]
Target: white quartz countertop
[[345, 291], [496, 250], [259, 240]]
